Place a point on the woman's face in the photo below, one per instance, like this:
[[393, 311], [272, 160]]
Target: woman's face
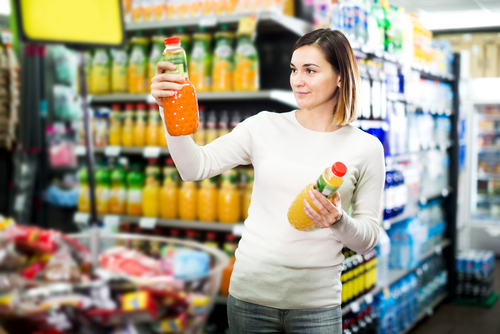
[[313, 79]]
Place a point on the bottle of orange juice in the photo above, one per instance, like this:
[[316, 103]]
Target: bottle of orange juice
[[246, 191], [156, 52], [127, 133], [169, 193], [83, 191], [327, 184], [101, 72], [141, 121], [229, 247], [222, 69], [229, 199], [152, 128], [115, 126], [246, 61], [161, 140], [119, 82], [201, 60], [138, 80], [211, 132], [188, 198], [207, 200], [181, 110], [118, 197], [135, 181], [103, 189], [151, 191]]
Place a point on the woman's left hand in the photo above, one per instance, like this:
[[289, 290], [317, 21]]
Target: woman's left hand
[[330, 212]]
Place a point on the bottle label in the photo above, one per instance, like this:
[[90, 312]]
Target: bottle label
[[178, 59], [324, 188]]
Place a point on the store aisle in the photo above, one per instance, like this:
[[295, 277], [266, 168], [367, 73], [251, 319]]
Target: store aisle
[[454, 319]]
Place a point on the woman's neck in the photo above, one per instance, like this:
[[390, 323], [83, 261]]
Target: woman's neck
[[316, 120]]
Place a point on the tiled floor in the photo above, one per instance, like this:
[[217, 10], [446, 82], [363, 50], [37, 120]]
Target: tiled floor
[[454, 319]]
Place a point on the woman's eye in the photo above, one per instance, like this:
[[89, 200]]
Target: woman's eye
[[310, 71], [293, 70]]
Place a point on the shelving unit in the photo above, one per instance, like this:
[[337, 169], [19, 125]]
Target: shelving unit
[[429, 311]]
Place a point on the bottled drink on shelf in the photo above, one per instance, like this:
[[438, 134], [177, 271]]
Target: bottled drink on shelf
[[181, 110], [101, 120], [115, 126], [188, 198], [327, 184], [223, 127], [200, 63], [138, 80], [141, 121], [101, 72], [388, 195], [229, 198], [151, 191], [154, 130], [103, 189], [135, 182], [127, 133], [207, 200], [235, 120], [247, 68], [156, 52], [118, 196], [229, 247], [211, 132], [119, 71], [211, 239], [383, 249], [247, 188], [169, 193], [83, 192], [200, 135], [222, 69]]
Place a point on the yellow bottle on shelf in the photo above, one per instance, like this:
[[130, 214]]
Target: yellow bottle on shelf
[[327, 184], [119, 82], [246, 192], [229, 199], [246, 62], [169, 193], [135, 181], [222, 69], [101, 72], [141, 120], [151, 191], [200, 70], [127, 133], [138, 80], [207, 200], [83, 192], [156, 53], [188, 197], [103, 189], [118, 196], [115, 126], [153, 132]]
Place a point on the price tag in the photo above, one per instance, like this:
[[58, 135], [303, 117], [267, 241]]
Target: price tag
[[438, 250], [423, 200], [112, 151], [209, 21], [247, 24], [238, 229], [355, 307], [429, 311], [148, 223], [387, 225], [152, 151], [111, 220], [80, 150], [369, 298], [445, 192], [81, 217]]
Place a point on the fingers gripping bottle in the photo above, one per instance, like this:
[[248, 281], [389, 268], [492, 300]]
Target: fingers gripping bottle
[[327, 184], [180, 111]]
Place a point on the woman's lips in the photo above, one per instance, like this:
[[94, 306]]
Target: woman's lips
[[301, 94]]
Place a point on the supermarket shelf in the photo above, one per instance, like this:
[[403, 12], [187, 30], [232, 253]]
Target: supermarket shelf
[[297, 26], [489, 133], [488, 176], [427, 312], [146, 151], [405, 215], [443, 194], [395, 275], [487, 149], [283, 96]]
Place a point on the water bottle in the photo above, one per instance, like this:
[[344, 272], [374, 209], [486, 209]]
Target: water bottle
[[383, 249]]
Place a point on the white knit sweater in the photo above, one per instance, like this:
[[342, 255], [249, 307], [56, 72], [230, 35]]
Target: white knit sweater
[[276, 265]]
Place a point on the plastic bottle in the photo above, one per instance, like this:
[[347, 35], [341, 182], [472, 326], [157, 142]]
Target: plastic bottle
[[119, 82], [207, 200], [156, 52], [211, 132], [103, 189], [138, 80], [188, 198], [200, 66], [135, 180], [229, 201], [200, 135], [127, 134], [211, 240], [101, 72], [223, 126], [186, 41], [378, 12], [115, 126], [169, 193], [181, 110], [83, 193], [247, 69], [151, 191], [383, 252], [118, 197], [388, 195], [327, 184], [154, 129], [141, 120], [229, 247], [247, 192], [223, 64]]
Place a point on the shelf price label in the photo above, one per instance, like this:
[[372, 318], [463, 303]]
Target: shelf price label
[[208, 21], [355, 307], [369, 298], [152, 151], [146, 222], [111, 220], [80, 150], [81, 218], [112, 151], [247, 24]]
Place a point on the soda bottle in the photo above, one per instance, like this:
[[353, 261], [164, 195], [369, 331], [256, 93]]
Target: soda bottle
[[180, 111], [169, 193], [247, 192], [151, 191], [327, 184]]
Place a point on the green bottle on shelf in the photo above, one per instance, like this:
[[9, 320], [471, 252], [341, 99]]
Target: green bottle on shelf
[[135, 181]]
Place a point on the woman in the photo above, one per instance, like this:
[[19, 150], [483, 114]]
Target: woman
[[285, 280]]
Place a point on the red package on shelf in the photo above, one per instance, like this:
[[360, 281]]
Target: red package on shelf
[[35, 239]]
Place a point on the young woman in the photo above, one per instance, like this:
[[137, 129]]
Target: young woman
[[285, 280]]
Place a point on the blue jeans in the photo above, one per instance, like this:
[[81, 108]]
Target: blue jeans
[[246, 318]]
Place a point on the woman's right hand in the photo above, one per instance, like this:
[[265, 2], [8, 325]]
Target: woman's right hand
[[165, 84]]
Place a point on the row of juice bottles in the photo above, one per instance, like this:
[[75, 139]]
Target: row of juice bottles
[[364, 320], [136, 126], [158, 10], [227, 242], [121, 190], [232, 64], [359, 275]]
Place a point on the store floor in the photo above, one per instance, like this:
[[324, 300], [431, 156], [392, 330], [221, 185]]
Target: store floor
[[454, 319]]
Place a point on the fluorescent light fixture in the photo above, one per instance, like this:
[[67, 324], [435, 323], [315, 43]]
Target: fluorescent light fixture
[[459, 20]]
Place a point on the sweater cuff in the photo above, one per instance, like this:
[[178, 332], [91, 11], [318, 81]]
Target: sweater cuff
[[343, 221]]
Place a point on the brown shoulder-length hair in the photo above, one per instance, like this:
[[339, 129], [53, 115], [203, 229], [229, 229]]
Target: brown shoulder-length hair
[[338, 52]]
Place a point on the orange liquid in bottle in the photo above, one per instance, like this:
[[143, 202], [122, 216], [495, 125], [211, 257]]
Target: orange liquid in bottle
[[188, 196], [207, 201], [229, 201]]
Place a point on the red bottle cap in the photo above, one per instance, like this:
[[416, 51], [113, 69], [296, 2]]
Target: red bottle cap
[[172, 40], [153, 106], [211, 235], [339, 169], [169, 161], [115, 106], [129, 106], [141, 106]]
